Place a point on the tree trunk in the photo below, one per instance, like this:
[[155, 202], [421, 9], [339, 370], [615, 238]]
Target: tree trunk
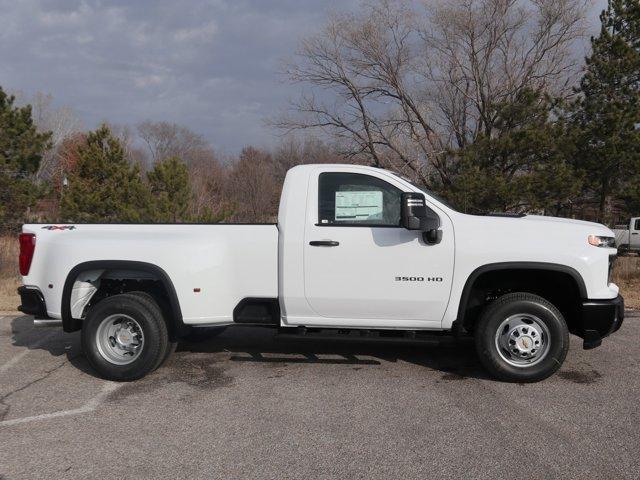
[[604, 194]]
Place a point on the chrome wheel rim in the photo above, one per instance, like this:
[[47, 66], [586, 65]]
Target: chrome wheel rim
[[522, 340], [119, 339]]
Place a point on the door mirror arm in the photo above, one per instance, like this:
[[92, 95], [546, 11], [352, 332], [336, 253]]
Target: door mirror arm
[[432, 237]]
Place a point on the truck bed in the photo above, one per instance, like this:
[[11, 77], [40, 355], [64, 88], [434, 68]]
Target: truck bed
[[622, 236], [212, 267]]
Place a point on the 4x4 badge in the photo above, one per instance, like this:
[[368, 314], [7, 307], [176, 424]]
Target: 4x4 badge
[[58, 227]]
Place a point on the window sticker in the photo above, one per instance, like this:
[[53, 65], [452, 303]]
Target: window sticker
[[358, 206]]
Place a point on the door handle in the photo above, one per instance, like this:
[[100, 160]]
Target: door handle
[[634, 233], [324, 243]]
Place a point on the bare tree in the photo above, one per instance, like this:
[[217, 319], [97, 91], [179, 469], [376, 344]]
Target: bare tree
[[294, 151], [207, 175], [208, 186], [253, 188], [486, 52], [402, 86], [165, 140], [62, 122]]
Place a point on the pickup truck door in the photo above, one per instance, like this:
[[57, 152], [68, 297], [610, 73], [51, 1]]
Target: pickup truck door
[[360, 264]]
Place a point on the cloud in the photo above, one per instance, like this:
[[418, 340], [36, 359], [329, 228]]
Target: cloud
[[211, 65], [148, 80], [201, 33]]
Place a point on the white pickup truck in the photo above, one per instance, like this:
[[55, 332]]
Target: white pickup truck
[[356, 251], [628, 236]]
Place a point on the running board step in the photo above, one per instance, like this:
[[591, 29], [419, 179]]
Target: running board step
[[384, 336], [37, 322]]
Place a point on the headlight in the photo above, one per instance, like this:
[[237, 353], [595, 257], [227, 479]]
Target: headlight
[[605, 242]]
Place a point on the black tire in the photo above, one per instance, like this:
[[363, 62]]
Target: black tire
[[146, 314], [530, 307], [202, 334], [159, 308]]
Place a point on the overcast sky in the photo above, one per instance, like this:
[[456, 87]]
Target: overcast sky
[[210, 65]]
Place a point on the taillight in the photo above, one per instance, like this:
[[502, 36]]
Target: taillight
[[27, 247]]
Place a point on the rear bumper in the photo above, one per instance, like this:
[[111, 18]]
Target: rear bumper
[[32, 302], [598, 319]]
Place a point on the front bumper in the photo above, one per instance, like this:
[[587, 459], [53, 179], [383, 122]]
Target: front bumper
[[598, 319], [32, 302]]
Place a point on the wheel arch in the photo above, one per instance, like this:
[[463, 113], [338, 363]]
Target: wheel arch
[[467, 311], [70, 324]]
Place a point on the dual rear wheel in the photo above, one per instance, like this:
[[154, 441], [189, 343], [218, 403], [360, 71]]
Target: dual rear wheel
[[125, 337]]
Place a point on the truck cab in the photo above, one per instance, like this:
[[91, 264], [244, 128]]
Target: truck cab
[[355, 248], [347, 257]]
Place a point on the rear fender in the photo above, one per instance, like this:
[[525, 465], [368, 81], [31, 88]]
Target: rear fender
[[70, 320]]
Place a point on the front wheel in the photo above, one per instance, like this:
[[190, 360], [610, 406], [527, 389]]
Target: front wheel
[[124, 337], [521, 337]]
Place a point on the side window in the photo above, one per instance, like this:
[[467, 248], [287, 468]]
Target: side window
[[356, 199], [637, 225]]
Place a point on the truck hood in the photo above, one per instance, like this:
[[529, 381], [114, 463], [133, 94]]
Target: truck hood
[[530, 225], [597, 227]]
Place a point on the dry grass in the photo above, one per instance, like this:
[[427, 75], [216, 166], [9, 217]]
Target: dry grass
[[626, 275], [9, 275]]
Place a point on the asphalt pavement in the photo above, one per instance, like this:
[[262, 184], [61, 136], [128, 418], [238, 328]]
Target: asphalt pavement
[[251, 405]]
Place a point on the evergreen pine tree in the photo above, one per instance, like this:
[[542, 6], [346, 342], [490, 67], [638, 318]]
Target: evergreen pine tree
[[607, 115], [21, 150], [103, 186], [523, 167], [170, 189]]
